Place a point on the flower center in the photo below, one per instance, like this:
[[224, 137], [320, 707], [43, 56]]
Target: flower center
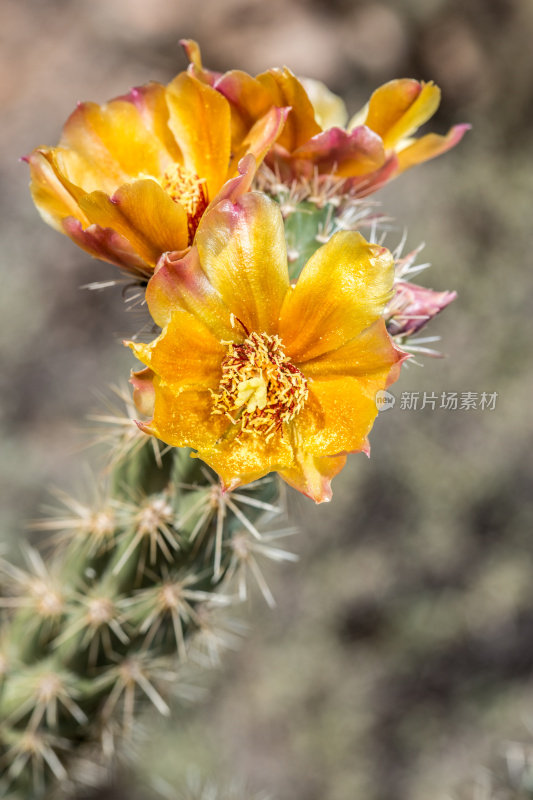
[[260, 388], [190, 191]]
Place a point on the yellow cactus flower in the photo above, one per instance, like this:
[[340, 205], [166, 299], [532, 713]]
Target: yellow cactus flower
[[258, 375], [374, 147], [130, 179]]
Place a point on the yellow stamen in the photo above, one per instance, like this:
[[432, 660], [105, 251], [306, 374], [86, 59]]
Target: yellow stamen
[[190, 191], [260, 388]]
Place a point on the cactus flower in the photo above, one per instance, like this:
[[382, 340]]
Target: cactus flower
[[375, 146], [258, 375], [130, 179]]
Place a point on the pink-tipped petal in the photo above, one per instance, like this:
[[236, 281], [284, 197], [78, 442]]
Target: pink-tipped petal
[[180, 282], [430, 146], [263, 135], [143, 391], [107, 245], [346, 154]]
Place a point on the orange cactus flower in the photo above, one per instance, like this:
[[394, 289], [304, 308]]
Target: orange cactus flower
[[375, 146], [131, 179], [258, 375]]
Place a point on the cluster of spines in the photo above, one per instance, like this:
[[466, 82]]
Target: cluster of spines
[[131, 593]]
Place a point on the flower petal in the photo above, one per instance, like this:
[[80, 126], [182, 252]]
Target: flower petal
[[185, 354], [143, 391], [107, 245], [346, 154], [399, 107], [180, 283], [52, 197], [192, 51], [286, 90], [184, 418], [430, 146], [235, 187], [312, 475], [248, 98], [243, 253], [330, 110], [367, 355], [113, 141], [262, 136], [342, 290], [200, 121], [243, 460], [150, 101], [339, 414], [144, 214], [367, 184]]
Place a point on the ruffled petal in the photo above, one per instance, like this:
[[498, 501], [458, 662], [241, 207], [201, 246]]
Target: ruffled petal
[[184, 418], [111, 140], [399, 107], [249, 101], [143, 391], [364, 185], [200, 121], [371, 353], [286, 90], [344, 154], [50, 191], [330, 110], [312, 475], [430, 146], [342, 289], [243, 253], [185, 354], [243, 460], [339, 414], [179, 282], [262, 136], [235, 187], [144, 214], [107, 245], [192, 51], [150, 101]]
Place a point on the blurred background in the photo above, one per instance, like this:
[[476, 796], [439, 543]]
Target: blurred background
[[398, 663]]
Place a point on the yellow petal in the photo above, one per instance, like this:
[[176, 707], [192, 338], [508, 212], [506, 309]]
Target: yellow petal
[[243, 253], [342, 290], [111, 140], [183, 418], [200, 121], [430, 146], [249, 101], [339, 414], [185, 354], [286, 90], [370, 353], [262, 136], [312, 475], [401, 106], [144, 214], [240, 461], [52, 197], [180, 283], [330, 110], [150, 101]]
